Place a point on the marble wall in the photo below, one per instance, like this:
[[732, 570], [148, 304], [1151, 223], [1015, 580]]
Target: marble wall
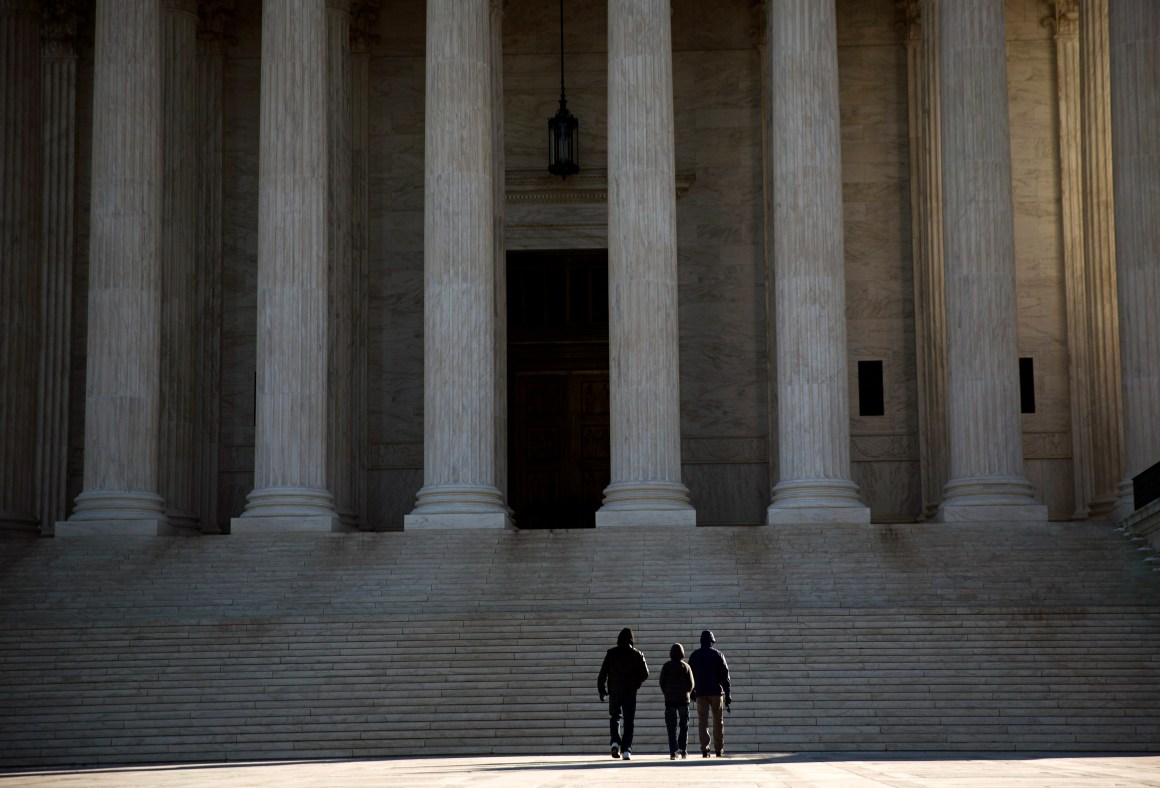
[[725, 386]]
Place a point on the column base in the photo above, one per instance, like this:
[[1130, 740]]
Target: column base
[[990, 499], [111, 506], [458, 506], [17, 521], [288, 503], [280, 525], [828, 501], [136, 527]]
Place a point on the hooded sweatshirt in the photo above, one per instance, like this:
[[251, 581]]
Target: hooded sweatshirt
[[710, 670], [624, 669], [676, 678]]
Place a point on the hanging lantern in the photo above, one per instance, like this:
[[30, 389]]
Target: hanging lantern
[[563, 127]]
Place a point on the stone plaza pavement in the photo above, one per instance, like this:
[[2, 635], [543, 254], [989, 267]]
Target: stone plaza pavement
[[788, 770]]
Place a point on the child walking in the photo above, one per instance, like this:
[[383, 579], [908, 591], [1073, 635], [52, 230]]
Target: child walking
[[677, 684]]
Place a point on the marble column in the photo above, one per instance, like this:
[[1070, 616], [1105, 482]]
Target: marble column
[[986, 446], [20, 299], [340, 461], [290, 452], [178, 258], [59, 80], [122, 407], [1067, 64], [364, 18], [922, 47], [459, 387], [809, 271], [644, 380], [500, 249], [214, 18], [1134, 30], [1106, 412]]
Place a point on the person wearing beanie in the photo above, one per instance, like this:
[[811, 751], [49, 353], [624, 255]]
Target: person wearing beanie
[[711, 677], [677, 684], [622, 674]]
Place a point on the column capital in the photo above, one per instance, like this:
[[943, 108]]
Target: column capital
[[364, 20], [214, 17], [1063, 17], [910, 19], [58, 30]]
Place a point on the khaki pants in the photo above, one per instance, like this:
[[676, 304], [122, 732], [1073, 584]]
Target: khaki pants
[[704, 704]]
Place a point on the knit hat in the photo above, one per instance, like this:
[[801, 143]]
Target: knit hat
[[625, 637], [677, 651], [707, 638]]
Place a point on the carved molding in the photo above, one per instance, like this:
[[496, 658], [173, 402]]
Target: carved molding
[[591, 186]]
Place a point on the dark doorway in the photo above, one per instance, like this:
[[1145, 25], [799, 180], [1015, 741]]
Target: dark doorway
[[558, 415]]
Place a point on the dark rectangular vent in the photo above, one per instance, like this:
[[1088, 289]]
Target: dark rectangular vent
[[871, 398]]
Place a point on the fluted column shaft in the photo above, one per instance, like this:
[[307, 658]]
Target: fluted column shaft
[[986, 446], [644, 380], [20, 210], [122, 408], [1067, 59], [809, 270], [290, 463], [208, 119], [178, 257], [341, 267], [59, 74], [1106, 412], [459, 458], [364, 16], [500, 248], [1134, 27], [922, 46]]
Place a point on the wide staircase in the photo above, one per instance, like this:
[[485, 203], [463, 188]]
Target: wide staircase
[[864, 638]]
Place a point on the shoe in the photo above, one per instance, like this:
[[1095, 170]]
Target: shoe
[[684, 755], [627, 755], [616, 751], [719, 753], [672, 756], [705, 752]]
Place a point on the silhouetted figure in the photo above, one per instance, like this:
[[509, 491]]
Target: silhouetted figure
[[677, 684], [711, 674], [622, 674]]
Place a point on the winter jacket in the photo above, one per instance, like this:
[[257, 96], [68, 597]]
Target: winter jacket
[[676, 682], [710, 671], [624, 671]]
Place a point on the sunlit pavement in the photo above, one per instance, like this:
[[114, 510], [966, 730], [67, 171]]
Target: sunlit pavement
[[830, 770]]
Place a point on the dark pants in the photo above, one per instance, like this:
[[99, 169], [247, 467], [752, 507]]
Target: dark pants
[[673, 715], [618, 706]]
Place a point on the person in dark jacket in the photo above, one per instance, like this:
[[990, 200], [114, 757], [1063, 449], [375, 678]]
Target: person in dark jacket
[[622, 674], [677, 684], [711, 674]]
